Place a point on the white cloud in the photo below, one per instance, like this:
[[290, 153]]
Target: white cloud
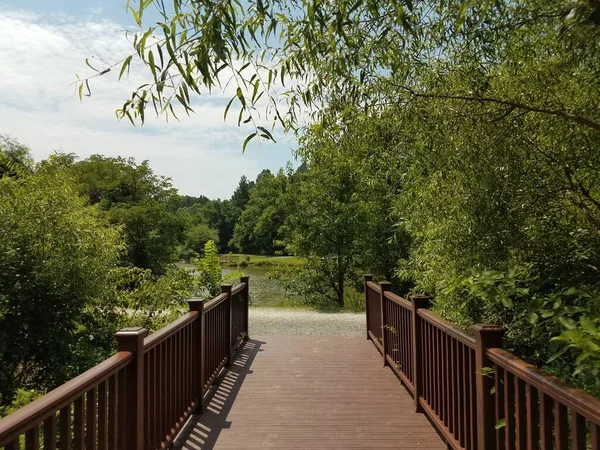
[[39, 57]]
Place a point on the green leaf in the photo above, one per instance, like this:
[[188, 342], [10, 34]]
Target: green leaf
[[151, 63], [267, 133], [500, 424], [227, 108], [248, 139], [125, 66]]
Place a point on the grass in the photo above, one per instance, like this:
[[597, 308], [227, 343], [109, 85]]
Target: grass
[[241, 260]]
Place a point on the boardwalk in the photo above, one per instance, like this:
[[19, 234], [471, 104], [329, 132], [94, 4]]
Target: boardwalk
[[309, 392]]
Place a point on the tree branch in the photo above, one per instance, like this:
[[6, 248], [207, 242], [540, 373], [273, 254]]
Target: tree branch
[[512, 104]]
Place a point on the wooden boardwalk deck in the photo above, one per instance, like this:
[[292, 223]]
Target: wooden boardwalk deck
[[309, 392]]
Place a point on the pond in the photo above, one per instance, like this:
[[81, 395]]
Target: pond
[[265, 292]]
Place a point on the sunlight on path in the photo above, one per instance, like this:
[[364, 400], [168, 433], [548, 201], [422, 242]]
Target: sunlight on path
[[269, 321]]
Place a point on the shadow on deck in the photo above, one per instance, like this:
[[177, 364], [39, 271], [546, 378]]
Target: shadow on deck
[[310, 392]]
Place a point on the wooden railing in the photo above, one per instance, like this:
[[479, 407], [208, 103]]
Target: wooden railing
[[477, 395], [139, 398]]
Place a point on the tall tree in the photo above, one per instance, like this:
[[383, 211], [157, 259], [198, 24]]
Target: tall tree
[[259, 227]]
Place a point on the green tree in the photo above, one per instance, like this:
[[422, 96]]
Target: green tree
[[135, 198], [15, 158], [259, 227], [55, 257]]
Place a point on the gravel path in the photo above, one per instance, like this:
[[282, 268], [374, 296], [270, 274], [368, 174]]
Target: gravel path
[[265, 321]]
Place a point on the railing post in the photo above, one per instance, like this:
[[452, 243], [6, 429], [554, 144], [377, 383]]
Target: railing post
[[418, 302], [226, 289], [486, 336], [132, 393], [367, 279], [385, 286], [247, 302], [198, 353]]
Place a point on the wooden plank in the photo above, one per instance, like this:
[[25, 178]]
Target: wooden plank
[[561, 432], [32, 438], [533, 419], [90, 429], [65, 428], [50, 433], [521, 414], [309, 392], [545, 422]]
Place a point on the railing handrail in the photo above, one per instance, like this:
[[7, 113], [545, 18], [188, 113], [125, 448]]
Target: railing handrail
[[573, 398], [210, 304], [374, 286], [174, 356], [452, 376], [449, 328], [167, 331], [398, 300], [21, 420], [237, 288]]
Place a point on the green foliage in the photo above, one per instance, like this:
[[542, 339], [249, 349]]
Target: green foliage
[[15, 159], [259, 229], [152, 302], [22, 398], [55, 256], [458, 137], [209, 269], [133, 197]]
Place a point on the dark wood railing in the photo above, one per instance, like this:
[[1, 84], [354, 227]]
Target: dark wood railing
[[477, 395], [139, 398]]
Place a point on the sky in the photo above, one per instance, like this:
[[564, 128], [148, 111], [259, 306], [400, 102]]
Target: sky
[[44, 45]]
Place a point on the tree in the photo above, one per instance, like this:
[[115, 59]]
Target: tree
[[241, 195], [259, 227], [134, 197], [55, 257], [15, 158]]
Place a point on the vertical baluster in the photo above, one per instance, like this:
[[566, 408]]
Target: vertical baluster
[[90, 428], [436, 370], [151, 387], [367, 306], [545, 422], [561, 432], [595, 436], [473, 398], [384, 286], [486, 337], [65, 428], [443, 378], [455, 391], [520, 414], [464, 395], [416, 349], [15, 445], [451, 388], [32, 438], [533, 418], [102, 442], [171, 384], [112, 412], [578, 432], [162, 398], [79, 432], [499, 404], [50, 433], [509, 409]]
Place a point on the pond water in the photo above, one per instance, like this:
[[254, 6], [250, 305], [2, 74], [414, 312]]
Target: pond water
[[264, 292]]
